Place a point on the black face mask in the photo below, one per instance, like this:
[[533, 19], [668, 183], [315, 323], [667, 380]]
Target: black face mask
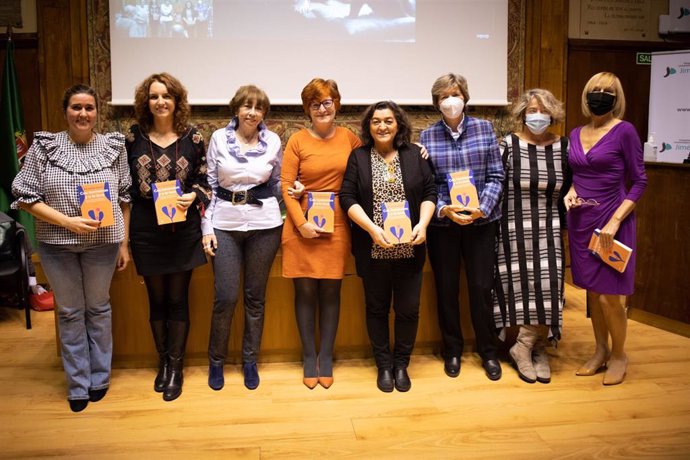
[[600, 103]]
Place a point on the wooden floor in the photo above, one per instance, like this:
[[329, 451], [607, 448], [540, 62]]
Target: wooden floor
[[648, 416]]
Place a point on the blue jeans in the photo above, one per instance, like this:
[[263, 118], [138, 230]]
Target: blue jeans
[[80, 276]]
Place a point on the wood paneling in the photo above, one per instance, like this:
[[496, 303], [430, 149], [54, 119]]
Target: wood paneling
[[63, 55], [546, 45], [133, 344], [663, 248]]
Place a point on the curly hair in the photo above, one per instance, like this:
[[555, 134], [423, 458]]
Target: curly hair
[[404, 133], [317, 90], [546, 100], [175, 89]]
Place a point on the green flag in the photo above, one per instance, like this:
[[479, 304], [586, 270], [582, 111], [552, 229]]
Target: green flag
[[13, 144]]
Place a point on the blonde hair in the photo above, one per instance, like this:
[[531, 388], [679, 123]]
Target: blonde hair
[[604, 81], [545, 98]]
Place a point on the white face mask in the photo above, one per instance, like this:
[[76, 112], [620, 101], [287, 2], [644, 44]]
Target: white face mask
[[451, 107], [537, 122]]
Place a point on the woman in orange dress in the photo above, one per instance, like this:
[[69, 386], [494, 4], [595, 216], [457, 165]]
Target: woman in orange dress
[[317, 156]]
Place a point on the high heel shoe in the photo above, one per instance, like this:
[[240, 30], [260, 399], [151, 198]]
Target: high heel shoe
[[310, 382], [615, 372], [326, 382], [591, 367]]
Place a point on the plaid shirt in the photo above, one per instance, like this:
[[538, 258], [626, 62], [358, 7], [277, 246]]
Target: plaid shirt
[[53, 168], [475, 149]]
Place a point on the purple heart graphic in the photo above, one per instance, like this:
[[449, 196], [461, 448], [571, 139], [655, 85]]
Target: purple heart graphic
[[398, 235], [616, 257], [169, 211], [463, 199], [320, 222]]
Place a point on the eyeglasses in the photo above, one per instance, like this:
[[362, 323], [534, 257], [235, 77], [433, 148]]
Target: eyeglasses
[[583, 202], [327, 104]]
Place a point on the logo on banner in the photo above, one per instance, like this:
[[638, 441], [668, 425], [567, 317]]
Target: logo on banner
[[670, 71], [665, 146], [683, 12]]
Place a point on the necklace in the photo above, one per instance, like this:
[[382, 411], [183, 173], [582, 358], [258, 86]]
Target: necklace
[[390, 163]]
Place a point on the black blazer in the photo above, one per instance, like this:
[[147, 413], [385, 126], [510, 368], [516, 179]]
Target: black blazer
[[419, 185]]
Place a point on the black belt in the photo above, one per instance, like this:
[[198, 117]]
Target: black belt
[[250, 196]]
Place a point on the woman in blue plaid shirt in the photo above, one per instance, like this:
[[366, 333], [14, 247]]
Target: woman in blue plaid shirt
[[455, 143]]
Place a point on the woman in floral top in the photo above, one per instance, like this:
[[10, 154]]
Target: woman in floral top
[[163, 147]]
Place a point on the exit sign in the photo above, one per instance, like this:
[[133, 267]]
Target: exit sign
[[643, 59]]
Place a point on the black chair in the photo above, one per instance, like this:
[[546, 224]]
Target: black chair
[[14, 269]]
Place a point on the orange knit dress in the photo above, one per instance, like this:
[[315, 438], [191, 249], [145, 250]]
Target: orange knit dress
[[319, 164]]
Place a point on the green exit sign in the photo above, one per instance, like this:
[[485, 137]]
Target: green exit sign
[[643, 59]]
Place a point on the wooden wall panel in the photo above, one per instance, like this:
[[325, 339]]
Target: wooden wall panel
[[663, 251], [546, 46], [63, 56]]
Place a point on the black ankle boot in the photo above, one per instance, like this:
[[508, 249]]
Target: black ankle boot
[[173, 389]]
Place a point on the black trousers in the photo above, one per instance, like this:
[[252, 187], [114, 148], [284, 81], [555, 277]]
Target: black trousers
[[476, 246], [401, 281]]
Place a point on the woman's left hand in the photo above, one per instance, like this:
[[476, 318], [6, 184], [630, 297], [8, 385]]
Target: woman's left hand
[[424, 153], [186, 200], [123, 257], [418, 234], [608, 233]]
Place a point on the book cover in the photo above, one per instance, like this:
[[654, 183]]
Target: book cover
[[617, 256], [321, 210], [95, 204], [165, 196], [396, 221], [463, 191]]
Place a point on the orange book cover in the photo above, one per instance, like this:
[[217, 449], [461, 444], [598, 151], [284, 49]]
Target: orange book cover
[[321, 210], [165, 200], [95, 204], [396, 221], [617, 257], [463, 191]]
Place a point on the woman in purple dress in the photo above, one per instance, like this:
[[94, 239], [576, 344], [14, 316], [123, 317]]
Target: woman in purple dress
[[605, 155]]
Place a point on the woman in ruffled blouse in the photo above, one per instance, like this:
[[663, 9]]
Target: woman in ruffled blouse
[[78, 254], [242, 226], [163, 147]]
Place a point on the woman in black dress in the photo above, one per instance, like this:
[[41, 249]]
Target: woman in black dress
[[163, 147]]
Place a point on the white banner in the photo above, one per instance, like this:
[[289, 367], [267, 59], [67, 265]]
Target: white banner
[[669, 105]]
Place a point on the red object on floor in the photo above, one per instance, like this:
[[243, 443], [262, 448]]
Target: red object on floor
[[42, 302]]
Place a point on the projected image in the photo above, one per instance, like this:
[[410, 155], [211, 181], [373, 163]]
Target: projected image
[[163, 18], [393, 20]]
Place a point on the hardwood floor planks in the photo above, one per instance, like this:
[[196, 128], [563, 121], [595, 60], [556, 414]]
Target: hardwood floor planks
[[647, 417]]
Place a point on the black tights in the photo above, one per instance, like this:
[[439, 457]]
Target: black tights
[[311, 293], [169, 296]]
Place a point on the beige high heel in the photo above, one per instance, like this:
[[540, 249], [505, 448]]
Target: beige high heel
[[615, 372], [592, 367]]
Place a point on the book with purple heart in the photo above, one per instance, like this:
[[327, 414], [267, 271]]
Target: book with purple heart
[[463, 191], [616, 257], [95, 204], [165, 196], [321, 210], [396, 221]]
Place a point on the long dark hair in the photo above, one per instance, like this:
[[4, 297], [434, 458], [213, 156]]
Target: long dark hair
[[404, 133]]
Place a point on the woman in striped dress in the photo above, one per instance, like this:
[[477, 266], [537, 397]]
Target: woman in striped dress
[[529, 282]]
